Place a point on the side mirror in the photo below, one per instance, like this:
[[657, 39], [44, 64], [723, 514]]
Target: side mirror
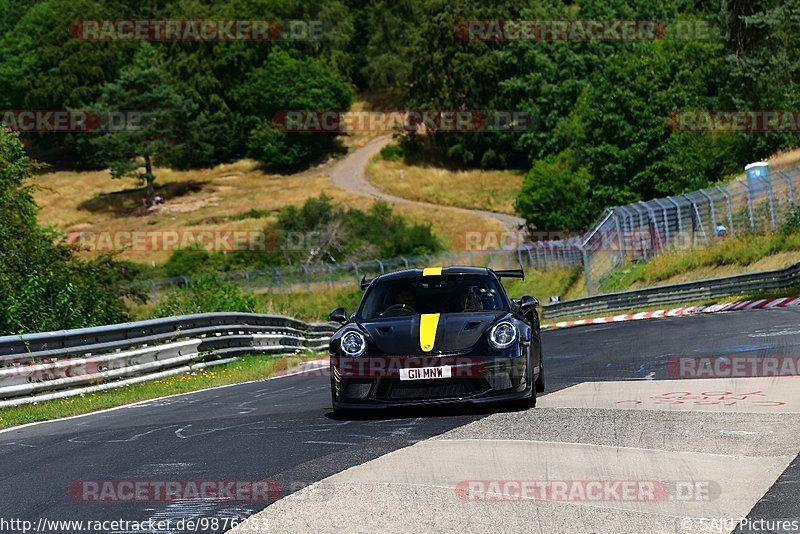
[[527, 304], [339, 315]]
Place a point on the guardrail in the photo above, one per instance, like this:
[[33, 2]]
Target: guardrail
[[53, 365], [726, 286]]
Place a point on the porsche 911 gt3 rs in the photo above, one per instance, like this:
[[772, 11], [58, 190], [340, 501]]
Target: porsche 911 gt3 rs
[[435, 336]]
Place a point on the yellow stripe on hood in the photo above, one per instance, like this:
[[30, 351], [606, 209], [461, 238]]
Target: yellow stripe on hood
[[428, 323], [432, 271]]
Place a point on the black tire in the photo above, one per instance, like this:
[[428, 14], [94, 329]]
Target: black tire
[[539, 385], [529, 402]]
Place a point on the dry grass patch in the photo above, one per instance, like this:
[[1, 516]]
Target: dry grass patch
[[471, 189], [220, 198]]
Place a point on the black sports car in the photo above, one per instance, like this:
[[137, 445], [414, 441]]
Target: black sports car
[[436, 335]]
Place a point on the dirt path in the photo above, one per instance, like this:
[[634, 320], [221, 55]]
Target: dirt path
[[349, 175]]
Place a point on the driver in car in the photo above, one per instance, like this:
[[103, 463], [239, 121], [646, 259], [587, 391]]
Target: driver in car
[[405, 296]]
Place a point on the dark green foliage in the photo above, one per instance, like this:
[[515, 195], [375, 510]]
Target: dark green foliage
[[160, 120], [319, 231], [43, 286]]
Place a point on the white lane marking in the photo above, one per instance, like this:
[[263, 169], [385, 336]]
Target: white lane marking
[[330, 443], [77, 439]]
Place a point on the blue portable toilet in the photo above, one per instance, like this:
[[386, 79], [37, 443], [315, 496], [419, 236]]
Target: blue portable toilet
[[755, 171]]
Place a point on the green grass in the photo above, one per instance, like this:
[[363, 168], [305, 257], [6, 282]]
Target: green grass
[[740, 251], [622, 279], [543, 284], [311, 307], [246, 369]]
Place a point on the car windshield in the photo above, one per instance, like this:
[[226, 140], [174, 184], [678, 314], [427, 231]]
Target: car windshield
[[437, 294]]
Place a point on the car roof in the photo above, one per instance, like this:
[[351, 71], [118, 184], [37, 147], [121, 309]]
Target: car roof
[[432, 271]]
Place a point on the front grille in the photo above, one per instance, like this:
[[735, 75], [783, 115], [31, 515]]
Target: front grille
[[427, 389]]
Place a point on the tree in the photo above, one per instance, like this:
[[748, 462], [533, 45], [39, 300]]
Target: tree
[[286, 82], [556, 195], [158, 120], [42, 285]]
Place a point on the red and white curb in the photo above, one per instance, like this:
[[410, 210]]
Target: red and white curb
[[780, 302]]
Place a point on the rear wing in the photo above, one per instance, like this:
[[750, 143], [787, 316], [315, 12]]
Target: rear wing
[[509, 273]]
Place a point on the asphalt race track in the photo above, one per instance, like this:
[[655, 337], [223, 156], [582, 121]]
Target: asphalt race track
[[614, 411]]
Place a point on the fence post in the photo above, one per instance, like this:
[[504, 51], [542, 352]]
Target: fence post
[[308, 280], [730, 206], [666, 219], [587, 271], [680, 221], [155, 293], [771, 201], [749, 204], [654, 222], [713, 213], [381, 265], [620, 240], [330, 274], [405, 262], [247, 279], [790, 187]]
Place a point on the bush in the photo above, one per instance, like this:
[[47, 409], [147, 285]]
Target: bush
[[556, 195], [392, 153], [206, 293]]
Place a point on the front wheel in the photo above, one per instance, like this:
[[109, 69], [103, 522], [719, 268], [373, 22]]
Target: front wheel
[[539, 385], [530, 402]]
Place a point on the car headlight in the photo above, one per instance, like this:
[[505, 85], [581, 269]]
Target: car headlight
[[353, 344], [503, 335]]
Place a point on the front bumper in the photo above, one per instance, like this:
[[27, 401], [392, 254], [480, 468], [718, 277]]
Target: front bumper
[[474, 381]]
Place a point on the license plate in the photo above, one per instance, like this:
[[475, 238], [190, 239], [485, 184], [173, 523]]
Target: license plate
[[425, 373]]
